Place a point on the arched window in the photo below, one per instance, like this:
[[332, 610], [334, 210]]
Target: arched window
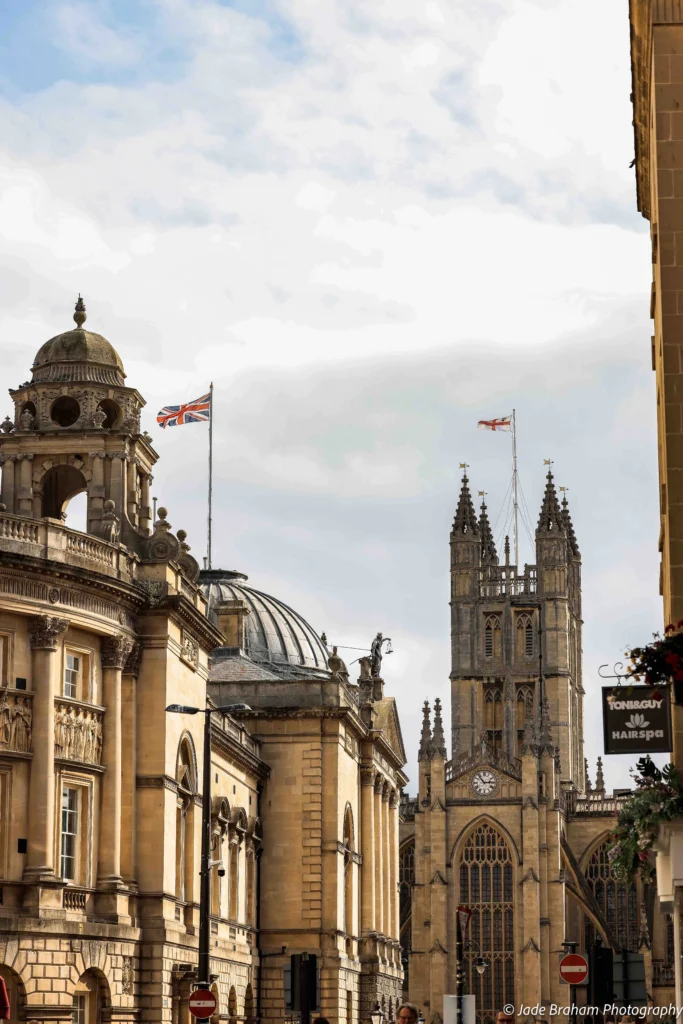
[[486, 877], [348, 872], [406, 878], [249, 1005], [525, 636], [618, 902], [525, 701], [186, 780], [492, 637], [91, 997]]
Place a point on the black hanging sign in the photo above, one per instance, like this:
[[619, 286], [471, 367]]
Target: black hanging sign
[[636, 719]]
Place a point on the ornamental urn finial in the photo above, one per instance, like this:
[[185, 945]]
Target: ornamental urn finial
[[79, 314]]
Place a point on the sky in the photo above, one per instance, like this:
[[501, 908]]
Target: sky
[[370, 225]]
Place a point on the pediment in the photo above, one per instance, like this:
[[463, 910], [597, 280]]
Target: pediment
[[388, 721]]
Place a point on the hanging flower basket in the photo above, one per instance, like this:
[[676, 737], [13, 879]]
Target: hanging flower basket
[[658, 798], [661, 661]]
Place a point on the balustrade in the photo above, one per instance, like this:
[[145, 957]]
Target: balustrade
[[78, 732], [16, 721]]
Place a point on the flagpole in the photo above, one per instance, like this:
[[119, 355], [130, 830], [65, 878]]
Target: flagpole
[[515, 488], [208, 546]]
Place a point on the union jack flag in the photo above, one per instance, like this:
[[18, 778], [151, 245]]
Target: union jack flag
[[198, 411]]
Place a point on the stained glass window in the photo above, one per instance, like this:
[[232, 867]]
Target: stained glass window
[[618, 902], [486, 876]]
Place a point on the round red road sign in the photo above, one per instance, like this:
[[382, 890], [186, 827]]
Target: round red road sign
[[202, 1003], [574, 968]]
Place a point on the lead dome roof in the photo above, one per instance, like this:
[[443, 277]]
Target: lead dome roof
[[78, 355], [276, 635]]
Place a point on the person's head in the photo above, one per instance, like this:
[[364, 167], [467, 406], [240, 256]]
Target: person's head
[[407, 1014], [321, 1020], [505, 1018]]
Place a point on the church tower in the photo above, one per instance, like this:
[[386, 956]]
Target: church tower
[[516, 637]]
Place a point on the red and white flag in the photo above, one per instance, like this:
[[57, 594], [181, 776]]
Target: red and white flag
[[504, 423]]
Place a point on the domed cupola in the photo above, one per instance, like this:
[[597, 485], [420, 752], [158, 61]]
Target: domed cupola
[[78, 355], [262, 628]]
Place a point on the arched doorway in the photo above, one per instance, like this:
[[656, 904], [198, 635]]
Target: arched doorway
[[91, 998], [16, 993], [486, 883], [59, 485]]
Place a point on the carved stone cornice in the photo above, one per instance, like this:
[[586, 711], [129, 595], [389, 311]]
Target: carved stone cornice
[[114, 650], [156, 782], [132, 666], [43, 631]]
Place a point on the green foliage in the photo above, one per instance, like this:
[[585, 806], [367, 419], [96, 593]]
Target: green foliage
[[659, 661], [658, 797]]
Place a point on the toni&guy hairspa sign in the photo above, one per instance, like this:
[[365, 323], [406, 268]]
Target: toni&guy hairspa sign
[[636, 719]]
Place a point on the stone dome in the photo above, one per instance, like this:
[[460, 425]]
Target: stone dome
[[78, 355], [275, 634]]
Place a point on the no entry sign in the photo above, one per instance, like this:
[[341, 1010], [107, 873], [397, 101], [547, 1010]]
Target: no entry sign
[[202, 1003], [573, 969]]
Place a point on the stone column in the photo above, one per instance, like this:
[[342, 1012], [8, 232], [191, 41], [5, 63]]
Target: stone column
[[367, 839], [43, 634], [114, 652], [7, 492], [379, 880], [145, 512], [394, 927], [386, 862], [129, 678], [25, 493], [96, 491]]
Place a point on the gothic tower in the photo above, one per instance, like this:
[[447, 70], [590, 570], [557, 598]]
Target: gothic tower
[[516, 637]]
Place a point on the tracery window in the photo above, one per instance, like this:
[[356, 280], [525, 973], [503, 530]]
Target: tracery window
[[493, 707], [492, 637], [486, 875], [525, 700], [618, 902], [525, 636]]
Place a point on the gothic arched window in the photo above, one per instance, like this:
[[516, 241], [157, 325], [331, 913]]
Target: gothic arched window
[[492, 637], [525, 636], [618, 902], [525, 700], [493, 708], [486, 878]]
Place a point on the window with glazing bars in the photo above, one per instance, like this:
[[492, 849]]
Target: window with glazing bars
[[618, 902], [69, 847]]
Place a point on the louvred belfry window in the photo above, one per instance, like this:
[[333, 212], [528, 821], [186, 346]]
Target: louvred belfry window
[[486, 876]]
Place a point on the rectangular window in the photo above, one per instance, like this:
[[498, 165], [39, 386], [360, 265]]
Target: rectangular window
[[79, 1013], [69, 845], [72, 675]]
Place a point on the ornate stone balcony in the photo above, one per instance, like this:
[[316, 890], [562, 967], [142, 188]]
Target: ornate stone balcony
[[16, 721], [78, 731], [50, 539]]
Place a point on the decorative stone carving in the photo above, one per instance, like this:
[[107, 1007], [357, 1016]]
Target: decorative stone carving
[[53, 595], [163, 546], [16, 723], [127, 976], [78, 734], [365, 665], [367, 775], [114, 651], [190, 649], [7, 426], [98, 418], [109, 524], [337, 666], [187, 563], [132, 666], [26, 420], [43, 631]]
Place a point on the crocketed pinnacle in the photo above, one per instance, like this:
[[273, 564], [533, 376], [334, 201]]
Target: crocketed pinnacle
[[545, 739], [588, 778], [599, 778], [551, 519], [438, 738], [79, 313], [569, 527], [426, 735], [489, 555], [465, 521], [528, 740]]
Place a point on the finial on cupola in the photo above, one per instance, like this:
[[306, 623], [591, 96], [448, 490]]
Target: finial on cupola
[[79, 314]]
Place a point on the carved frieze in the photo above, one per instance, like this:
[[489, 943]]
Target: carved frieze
[[78, 733], [43, 631], [190, 649], [16, 722]]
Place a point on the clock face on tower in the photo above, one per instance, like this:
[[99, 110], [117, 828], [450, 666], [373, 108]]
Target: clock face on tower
[[484, 783]]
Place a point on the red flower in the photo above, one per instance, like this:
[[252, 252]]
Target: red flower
[[642, 855]]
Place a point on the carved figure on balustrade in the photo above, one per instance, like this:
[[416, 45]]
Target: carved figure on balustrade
[[5, 721], [62, 732], [78, 736]]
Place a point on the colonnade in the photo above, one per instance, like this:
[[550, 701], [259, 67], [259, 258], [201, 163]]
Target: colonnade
[[379, 847]]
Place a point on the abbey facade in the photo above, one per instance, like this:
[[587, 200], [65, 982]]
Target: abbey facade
[[100, 787], [509, 825]]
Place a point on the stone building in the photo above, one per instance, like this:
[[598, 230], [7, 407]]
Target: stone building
[[510, 825], [100, 788], [656, 32]]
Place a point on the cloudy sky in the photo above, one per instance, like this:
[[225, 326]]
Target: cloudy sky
[[370, 225]]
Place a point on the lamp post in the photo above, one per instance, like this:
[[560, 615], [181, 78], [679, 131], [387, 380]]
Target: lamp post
[[203, 967], [377, 1017]]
